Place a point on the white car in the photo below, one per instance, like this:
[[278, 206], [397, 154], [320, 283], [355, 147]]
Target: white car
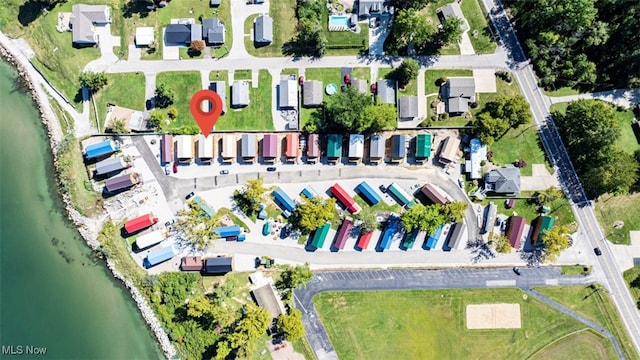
[[167, 169]]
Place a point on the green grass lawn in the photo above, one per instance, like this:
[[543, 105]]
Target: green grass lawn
[[219, 75], [292, 71], [522, 142], [429, 11], [632, 278], [256, 116], [584, 344], [126, 90], [344, 42], [576, 269], [410, 89], [375, 209], [596, 306], [431, 325], [476, 17], [183, 84], [284, 28], [625, 208], [560, 209], [563, 91], [361, 73]]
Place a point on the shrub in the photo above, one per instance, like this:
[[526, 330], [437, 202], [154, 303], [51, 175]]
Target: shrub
[[483, 163], [172, 113], [441, 80], [473, 104]]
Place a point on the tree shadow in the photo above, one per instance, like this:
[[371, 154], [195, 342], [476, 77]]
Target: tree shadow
[[294, 48], [140, 7], [30, 11]]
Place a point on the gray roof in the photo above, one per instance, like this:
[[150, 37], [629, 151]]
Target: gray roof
[[377, 147], [220, 88], [267, 298], [110, 165], [263, 29], [249, 144], [312, 93], [215, 2], [408, 107], [288, 94], [361, 85], [83, 17], [459, 91], [196, 32], [366, 7], [177, 33], [454, 9], [504, 180], [398, 146], [213, 31], [239, 94], [386, 90]]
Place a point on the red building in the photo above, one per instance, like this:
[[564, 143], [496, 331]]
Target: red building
[[139, 223], [515, 231], [364, 240], [345, 198], [343, 233]]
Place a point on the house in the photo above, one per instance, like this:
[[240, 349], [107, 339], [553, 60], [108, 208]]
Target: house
[[449, 150], [213, 31], [144, 36], [184, 148], [347, 200], [182, 34], [368, 193], [218, 265], [219, 87], [109, 166], [542, 224], [191, 263], [334, 147], [434, 194], [455, 235], [491, 212], [312, 93], [459, 92], [477, 154], [361, 85], [398, 147], [263, 30], [229, 146], [386, 91], [122, 182], [166, 149], [313, 147], [84, 19], [215, 3], [505, 181], [159, 256], [267, 298], [150, 239], [293, 141], [377, 148], [270, 148], [423, 146], [205, 147], [139, 223], [356, 147], [248, 145], [283, 200], [454, 10], [101, 149], [403, 198], [408, 107], [239, 94], [515, 230], [288, 94], [228, 231], [343, 233], [368, 8], [320, 235]]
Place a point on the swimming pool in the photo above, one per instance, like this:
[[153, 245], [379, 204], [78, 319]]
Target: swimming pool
[[339, 21]]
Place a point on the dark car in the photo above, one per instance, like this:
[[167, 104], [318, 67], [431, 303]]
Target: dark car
[[224, 172], [189, 195], [271, 168], [383, 188], [516, 270], [597, 251]]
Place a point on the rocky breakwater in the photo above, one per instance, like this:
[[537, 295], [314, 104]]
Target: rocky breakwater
[[87, 227]]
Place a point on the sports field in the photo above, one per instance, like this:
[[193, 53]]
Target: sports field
[[430, 324]]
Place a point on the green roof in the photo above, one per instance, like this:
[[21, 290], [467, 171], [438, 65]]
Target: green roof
[[334, 146], [546, 225], [320, 235], [423, 145]]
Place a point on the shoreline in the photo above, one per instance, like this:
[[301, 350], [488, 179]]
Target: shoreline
[[88, 232]]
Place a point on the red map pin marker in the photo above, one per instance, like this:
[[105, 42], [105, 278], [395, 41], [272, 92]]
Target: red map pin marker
[[206, 119]]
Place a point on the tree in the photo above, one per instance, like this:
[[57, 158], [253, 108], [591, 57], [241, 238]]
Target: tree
[[424, 218], [343, 111], [191, 228], [250, 196], [450, 31], [411, 27], [312, 213], [199, 307], [548, 196], [616, 175], [554, 242], [406, 72], [155, 119], [163, 96], [500, 243], [376, 118], [93, 81], [500, 115], [294, 277], [454, 211], [410, 4], [223, 350], [291, 325], [172, 113], [255, 322], [118, 126], [197, 46]]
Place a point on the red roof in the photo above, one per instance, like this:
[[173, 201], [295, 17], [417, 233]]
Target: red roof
[[191, 263], [363, 242], [516, 228], [140, 223], [344, 198], [343, 233], [313, 146], [292, 146]]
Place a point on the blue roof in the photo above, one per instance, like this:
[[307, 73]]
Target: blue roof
[[227, 231], [158, 256], [389, 231], [475, 144], [101, 148], [283, 200], [367, 191], [309, 192], [433, 238], [207, 210]]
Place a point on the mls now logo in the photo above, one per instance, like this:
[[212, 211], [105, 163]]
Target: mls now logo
[[20, 350]]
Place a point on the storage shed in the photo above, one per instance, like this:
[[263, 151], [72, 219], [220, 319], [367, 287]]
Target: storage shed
[[267, 298], [356, 147], [159, 256], [449, 150], [313, 147], [542, 224], [389, 232], [377, 148], [101, 149], [270, 147], [249, 144], [423, 146], [166, 149], [400, 195], [334, 147], [398, 147], [309, 193], [293, 145], [320, 235], [434, 194], [364, 240], [191, 263], [122, 182], [343, 233], [150, 239], [218, 265], [184, 148], [229, 146], [140, 222], [490, 214], [111, 165], [345, 198], [515, 230], [205, 147], [283, 200], [228, 231], [432, 240], [368, 193]]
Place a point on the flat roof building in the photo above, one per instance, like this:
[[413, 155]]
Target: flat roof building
[[312, 93], [249, 143], [270, 147], [239, 94], [288, 94], [184, 148]]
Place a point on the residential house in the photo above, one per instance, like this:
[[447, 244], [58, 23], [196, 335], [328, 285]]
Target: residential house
[[312, 93], [334, 148], [84, 19], [111, 165], [263, 30], [398, 148], [220, 88], [423, 146], [313, 148], [239, 94], [270, 148], [248, 144], [229, 146], [477, 154], [504, 181], [213, 31], [288, 94], [386, 91], [459, 92], [368, 8], [377, 148], [144, 36], [182, 34], [356, 147], [408, 107], [122, 182], [266, 296], [454, 10], [293, 145], [449, 150], [515, 230], [184, 148]]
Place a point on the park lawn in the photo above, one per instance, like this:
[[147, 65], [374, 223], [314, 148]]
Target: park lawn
[[284, 29], [427, 324], [560, 209], [220, 75], [625, 208], [476, 17], [410, 89], [627, 141], [126, 90], [522, 142], [344, 42], [183, 84], [577, 269], [431, 76], [368, 210], [596, 306], [632, 278], [256, 116], [584, 344]]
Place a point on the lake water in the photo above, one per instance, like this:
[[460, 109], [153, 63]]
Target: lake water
[[54, 294]]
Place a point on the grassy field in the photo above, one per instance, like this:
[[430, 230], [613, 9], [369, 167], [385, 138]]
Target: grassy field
[[563, 91], [183, 84], [476, 17], [584, 344], [126, 90], [576, 269], [560, 209], [431, 325], [610, 209], [256, 116], [632, 278], [368, 210], [596, 306], [284, 27], [219, 75], [410, 89], [75, 178], [522, 142]]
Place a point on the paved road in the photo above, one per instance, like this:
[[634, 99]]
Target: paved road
[[414, 279], [605, 266]]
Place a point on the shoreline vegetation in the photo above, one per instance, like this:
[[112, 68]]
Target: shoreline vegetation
[[87, 227]]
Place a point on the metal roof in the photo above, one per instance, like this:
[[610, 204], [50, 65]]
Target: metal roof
[[312, 93], [288, 94], [377, 147], [263, 29], [248, 145], [408, 107], [240, 93]]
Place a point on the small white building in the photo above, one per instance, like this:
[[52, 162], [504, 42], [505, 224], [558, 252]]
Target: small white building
[[184, 148], [144, 36], [205, 147], [150, 239]]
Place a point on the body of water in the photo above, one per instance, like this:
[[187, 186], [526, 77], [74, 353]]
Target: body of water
[[54, 295]]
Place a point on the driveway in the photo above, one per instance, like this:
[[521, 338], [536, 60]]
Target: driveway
[[485, 80], [169, 52], [466, 48], [106, 44], [240, 11], [378, 35]]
